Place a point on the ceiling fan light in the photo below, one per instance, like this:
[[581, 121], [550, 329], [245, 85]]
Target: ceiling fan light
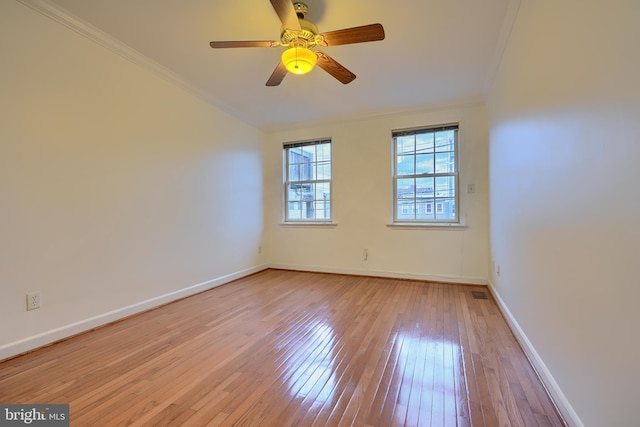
[[299, 60]]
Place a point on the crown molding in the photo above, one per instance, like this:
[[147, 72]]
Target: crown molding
[[475, 101], [67, 19]]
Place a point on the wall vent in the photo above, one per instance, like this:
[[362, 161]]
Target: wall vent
[[479, 295]]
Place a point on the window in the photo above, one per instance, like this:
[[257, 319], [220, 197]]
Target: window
[[307, 181], [425, 175]]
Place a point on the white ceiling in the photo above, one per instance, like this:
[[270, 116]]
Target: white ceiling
[[436, 52]]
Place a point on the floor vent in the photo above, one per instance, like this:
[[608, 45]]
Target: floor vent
[[479, 295]]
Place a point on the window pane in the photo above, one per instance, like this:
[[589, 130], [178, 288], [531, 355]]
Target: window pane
[[322, 210], [424, 187], [324, 170], [322, 191], [308, 210], [445, 186], [308, 171], [405, 145], [308, 191], [294, 172], [445, 141], [424, 143], [309, 153], [445, 209], [404, 209], [424, 163], [295, 155], [406, 188], [295, 210], [294, 192], [424, 209], [445, 162], [405, 165], [323, 152], [308, 156]]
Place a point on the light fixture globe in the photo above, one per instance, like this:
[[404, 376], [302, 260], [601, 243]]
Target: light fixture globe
[[299, 60]]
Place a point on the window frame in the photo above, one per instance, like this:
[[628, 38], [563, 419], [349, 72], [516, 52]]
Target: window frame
[[313, 182], [433, 200]]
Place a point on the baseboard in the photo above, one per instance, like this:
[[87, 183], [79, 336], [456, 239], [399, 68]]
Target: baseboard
[[388, 274], [48, 337], [562, 404]]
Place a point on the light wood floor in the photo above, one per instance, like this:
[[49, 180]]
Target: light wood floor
[[282, 348]]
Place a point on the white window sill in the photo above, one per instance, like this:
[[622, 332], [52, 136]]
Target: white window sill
[[424, 226], [308, 224]]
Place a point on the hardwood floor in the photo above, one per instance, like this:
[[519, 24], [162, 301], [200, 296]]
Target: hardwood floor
[[283, 348]]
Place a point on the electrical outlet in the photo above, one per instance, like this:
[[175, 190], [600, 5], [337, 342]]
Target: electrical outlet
[[365, 254], [33, 300], [471, 188]]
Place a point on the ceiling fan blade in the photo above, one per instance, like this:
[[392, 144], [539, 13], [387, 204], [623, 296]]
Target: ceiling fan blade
[[255, 43], [365, 33], [287, 14], [332, 67], [277, 75]]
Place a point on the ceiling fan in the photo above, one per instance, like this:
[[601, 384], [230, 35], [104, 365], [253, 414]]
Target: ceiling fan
[[301, 37]]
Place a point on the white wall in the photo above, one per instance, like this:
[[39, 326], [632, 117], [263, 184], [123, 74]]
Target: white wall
[[362, 204], [564, 172], [117, 188]]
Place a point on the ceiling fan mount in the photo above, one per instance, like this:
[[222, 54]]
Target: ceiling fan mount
[[308, 31], [301, 37], [301, 9]]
